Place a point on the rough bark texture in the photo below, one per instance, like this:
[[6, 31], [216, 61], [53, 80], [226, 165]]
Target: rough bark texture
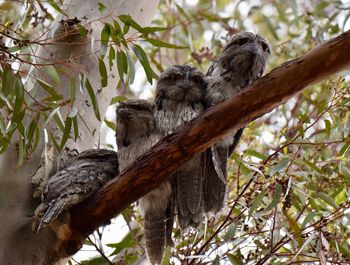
[[18, 244], [259, 98]]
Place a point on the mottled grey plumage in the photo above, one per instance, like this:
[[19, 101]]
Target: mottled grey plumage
[[136, 133], [80, 178], [242, 61], [179, 99], [51, 162]]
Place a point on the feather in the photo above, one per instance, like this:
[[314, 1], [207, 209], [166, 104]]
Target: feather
[[136, 123], [53, 210], [241, 62], [80, 178], [179, 99]]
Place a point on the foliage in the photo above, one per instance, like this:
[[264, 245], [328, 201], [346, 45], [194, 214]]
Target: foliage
[[288, 199]]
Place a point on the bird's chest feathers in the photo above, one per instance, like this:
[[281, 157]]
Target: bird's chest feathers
[[168, 119], [127, 155]]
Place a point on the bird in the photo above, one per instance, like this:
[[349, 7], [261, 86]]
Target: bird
[[242, 61], [79, 179], [179, 98], [51, 161], [137, 132]]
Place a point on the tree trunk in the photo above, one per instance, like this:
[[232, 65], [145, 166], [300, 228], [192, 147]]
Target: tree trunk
[[18, 244]]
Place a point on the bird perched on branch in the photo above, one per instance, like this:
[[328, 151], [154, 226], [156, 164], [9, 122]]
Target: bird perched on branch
[[51, 162], [179, 99], [80, 178], [242, 61], [137, 133]]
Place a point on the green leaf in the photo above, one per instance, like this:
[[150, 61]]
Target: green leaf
[[328, 125], [234, 259], [101, 7], [52, 73], [115, 35], [32, 127], [20, 127], [131, 69], [126, 29], [19, 92], [66, 133], [53, 140], [128, 21], [231, 231], [344, 148], [167, 256], [341, 196], [326, 198], [345, 172], [347, 126], [93, 99], [275, 199], [111, 57], [96, 261], [111, 125], [148, 30], [75, 127], [72, 91], [301, 131], [258, 199], [126, 243], [8, 77], [159, 43], [118, 35], [59, 121], [308, 219], [52, 114], [182, 11], [313, 166], [83, 31], [240, 164], [280, 165], [117, 99], [56, 7], [124, 61], [256, 154], [117, 28], [344, 249], [103, 72], [120, 66], [141, 55], [13, 49], [105, 34], [49, 89]]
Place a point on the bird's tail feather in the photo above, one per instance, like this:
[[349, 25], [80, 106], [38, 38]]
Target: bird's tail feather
[[54, 209], [155, 234]]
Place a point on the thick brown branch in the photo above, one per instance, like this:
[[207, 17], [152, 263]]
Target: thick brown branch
[[259, 98]]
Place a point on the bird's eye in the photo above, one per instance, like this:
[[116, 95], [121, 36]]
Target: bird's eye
[[197, 79], [243, 41], [175, 77], [265, 47]]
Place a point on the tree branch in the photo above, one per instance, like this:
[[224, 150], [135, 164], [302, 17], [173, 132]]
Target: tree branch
[[196, 136]]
